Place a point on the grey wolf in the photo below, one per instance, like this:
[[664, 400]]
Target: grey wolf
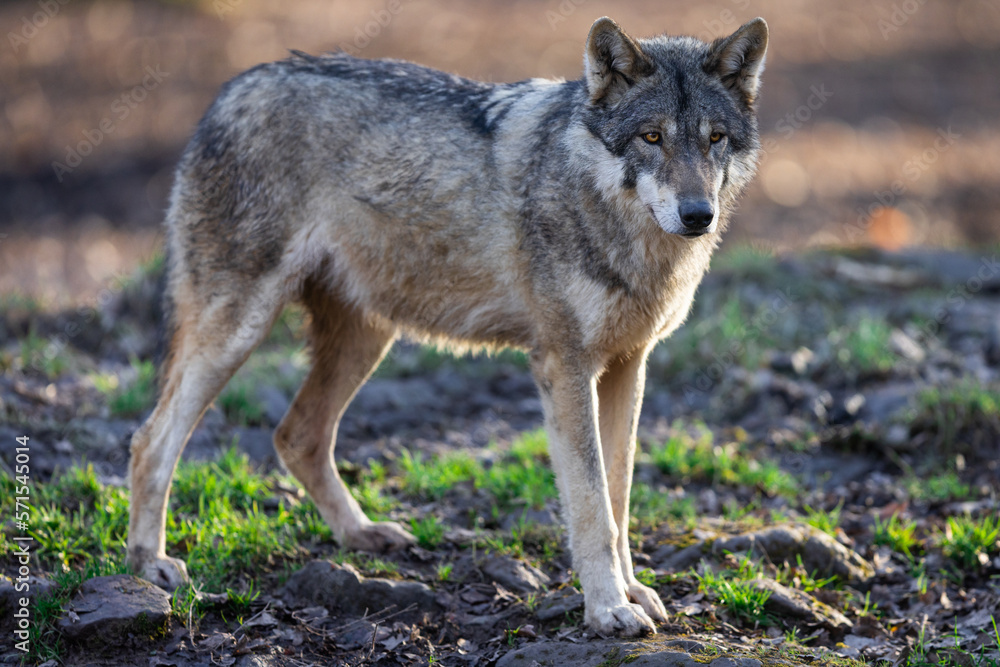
[[570, 219]]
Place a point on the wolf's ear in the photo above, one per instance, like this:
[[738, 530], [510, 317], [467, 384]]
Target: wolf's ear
[[613, 62], [739, 59]]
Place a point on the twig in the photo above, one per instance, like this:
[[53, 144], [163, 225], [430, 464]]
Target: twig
[[197, 592], [266, 607], [371, 651], [377, 616]]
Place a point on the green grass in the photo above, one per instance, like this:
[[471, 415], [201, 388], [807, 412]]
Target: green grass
[[940, 487], [518, 478], [368, 488], [371, 566], [651, 507], [216, 523], [825, 520], [899, 535], [523, 476], [45, 356], [734, 589], [526, 540], [923, 655], [864, 346], [956, 413], [433, 478], [429, 531], [698, 458], [970, 542], [796, 576], [133, 398]]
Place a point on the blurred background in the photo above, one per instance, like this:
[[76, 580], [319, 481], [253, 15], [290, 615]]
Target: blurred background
[[880, 119], [840, 366]]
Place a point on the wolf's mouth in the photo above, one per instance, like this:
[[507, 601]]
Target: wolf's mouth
[[694, 233]]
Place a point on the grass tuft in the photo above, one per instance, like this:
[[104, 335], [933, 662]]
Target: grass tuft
[[697, 458], [900, 536], [429, 531], [735, 590], [864, 347], [970, 542]]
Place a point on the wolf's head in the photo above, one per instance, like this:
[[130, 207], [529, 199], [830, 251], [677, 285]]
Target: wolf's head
[[677, 121]]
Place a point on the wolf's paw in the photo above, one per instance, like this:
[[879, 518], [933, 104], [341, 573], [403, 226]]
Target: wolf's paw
[[649, 600], [627, 620], [378, 537], [166, 572]]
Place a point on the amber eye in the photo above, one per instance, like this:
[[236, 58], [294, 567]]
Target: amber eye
[[716, 137], [652, 137]]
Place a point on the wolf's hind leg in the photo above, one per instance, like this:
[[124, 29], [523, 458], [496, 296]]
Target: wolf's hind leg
[[213, 337], [346, 349], [619, 396]]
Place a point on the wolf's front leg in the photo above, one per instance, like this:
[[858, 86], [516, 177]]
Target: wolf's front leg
[[619, 397], [569, 396]]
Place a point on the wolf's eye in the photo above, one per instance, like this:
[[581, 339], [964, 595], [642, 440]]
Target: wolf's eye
[[651, 137], [716, 137]]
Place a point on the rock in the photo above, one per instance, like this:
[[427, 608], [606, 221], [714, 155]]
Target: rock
[[819, 551], [357, 635], [906, 347], [678, 560], [542, 517], [10, 596], [110, 607], [342, 590], [271, 658], [792, 603], [898, 436], [262, 621], [515, 575], [875, 274], [559, 603], [654, 651], [461, 536], [953, 267], [687, 645], [274, 402], [258, 443]]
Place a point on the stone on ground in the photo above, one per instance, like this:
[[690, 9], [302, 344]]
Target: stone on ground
[[819, 552], [515, 575], [114, 606], [343, 590], [655, 651], [794, 604], [559, 603]]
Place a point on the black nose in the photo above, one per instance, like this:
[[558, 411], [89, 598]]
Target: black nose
[[696, 214]]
